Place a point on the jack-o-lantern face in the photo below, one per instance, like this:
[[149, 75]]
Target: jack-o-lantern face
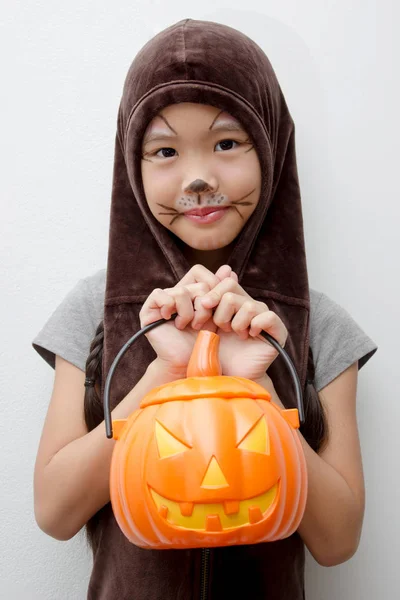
[[208, 461], [223, 460]]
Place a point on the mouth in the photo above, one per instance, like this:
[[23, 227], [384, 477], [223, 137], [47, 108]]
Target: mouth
[[206, 210], [206, 215], [216, 516]]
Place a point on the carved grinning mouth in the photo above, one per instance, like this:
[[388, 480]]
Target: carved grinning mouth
[[215, 517]]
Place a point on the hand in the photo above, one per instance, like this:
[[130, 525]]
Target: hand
[[173, 342], [243, 351]]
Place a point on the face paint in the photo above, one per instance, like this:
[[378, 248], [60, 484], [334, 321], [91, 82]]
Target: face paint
[[186, 174], [190, 205]]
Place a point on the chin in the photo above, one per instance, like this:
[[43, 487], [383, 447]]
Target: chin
[[213, 239], [207, 243]]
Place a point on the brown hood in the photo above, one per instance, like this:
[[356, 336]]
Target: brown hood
[[208, 63]]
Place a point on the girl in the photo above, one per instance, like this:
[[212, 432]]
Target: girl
[[206, 221]]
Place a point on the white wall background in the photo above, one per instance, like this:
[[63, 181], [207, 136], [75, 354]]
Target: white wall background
[[63, 67]]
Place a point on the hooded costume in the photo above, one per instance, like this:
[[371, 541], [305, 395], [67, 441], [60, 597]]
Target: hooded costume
[[207, 63]]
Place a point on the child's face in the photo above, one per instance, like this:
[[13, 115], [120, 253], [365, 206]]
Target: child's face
[[200, 160]]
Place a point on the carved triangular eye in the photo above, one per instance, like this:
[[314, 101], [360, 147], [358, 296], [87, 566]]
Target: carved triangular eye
[[257, 439], [167, 444]]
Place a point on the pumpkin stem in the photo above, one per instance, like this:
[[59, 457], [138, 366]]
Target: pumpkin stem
[[204, 360]]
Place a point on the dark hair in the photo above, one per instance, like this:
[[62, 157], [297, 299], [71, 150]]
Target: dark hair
[[314, 430]]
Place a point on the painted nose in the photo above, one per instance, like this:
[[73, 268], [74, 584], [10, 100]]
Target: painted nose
[[214, 477], [199, 186]]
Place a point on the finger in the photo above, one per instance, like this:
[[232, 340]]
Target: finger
[[245, 315], [234, 276], [228, 307], [184, 306], [198, 274], [271, 323], [201, 314], [194, 289], [158, 305], [223, 272], [214, 296]]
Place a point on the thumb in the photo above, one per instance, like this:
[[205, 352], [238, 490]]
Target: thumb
[[223, 272], [210, 326], [234, 276]]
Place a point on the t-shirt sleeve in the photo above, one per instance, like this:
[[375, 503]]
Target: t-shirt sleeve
[[337, 341], [70, 330]]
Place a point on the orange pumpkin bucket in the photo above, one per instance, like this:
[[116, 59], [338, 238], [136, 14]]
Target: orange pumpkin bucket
[[207, 461]]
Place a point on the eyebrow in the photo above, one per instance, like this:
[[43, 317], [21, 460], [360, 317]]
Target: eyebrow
[[222, 126]]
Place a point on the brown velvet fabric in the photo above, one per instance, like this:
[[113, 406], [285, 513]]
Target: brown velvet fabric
[[208, 63]]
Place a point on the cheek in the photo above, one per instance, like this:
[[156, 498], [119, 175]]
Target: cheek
[[243, 175], [252, 170], [241, 178], [159, 186]]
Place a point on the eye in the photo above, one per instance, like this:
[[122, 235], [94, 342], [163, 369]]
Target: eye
[[228, 143], [167, 444], [257, 440], [163, 155]]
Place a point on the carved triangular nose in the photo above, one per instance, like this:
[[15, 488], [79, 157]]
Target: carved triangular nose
[[214, 477]]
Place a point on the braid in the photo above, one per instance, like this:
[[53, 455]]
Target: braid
[[94, 414], [92, 405], [315, 426]]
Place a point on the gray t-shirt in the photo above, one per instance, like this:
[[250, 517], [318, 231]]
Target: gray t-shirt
[[336, 340]]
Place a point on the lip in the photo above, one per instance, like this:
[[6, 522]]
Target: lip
[[201, 212], [208, 214]]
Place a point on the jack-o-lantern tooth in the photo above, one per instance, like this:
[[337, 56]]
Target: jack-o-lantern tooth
[[255, 514], [231, 507], [186, 508], [213, 523], [163, 511]]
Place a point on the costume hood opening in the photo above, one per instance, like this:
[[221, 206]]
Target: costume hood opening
[[208, 63]]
